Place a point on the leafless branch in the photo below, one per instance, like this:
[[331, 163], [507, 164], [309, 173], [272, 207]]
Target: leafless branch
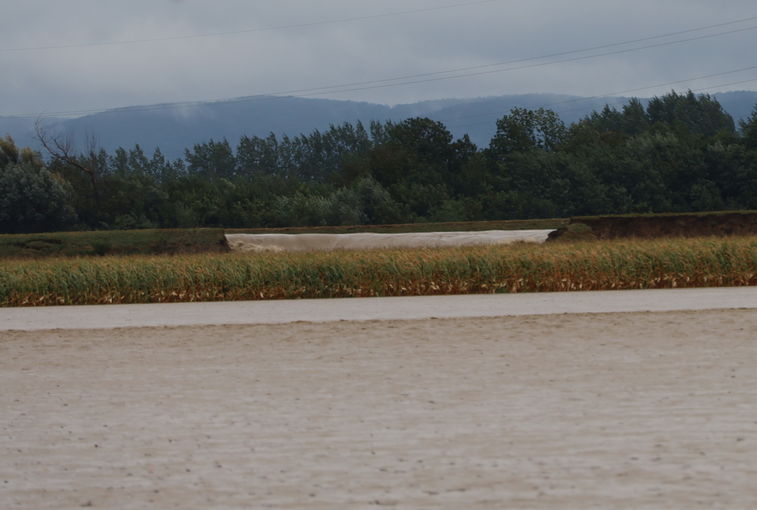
[[61, 149]]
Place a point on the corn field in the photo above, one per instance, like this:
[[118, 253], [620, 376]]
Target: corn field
[[621, 264]]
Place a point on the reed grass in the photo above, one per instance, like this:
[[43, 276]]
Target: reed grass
[[569, 266]]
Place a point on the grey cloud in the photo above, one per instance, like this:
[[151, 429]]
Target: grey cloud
[[319, 55]]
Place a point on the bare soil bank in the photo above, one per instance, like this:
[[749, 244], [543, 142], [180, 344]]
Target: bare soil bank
[[638, 410], [660, 225]]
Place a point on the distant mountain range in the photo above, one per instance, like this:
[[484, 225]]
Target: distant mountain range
[[175, 127]]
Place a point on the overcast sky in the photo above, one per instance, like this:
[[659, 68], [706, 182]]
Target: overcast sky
[[54, 60]]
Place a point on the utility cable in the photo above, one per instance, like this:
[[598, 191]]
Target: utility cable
[[392, 82], [531, 59], [338, 89], [382, 83]]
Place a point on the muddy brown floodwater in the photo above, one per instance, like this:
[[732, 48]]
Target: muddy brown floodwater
[[625, 410]]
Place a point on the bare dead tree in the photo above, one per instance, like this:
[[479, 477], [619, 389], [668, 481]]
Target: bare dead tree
[[62, 150]]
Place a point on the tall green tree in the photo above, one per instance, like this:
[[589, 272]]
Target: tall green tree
[[749, 130], [524, 130], [32, 199], [701, 114]]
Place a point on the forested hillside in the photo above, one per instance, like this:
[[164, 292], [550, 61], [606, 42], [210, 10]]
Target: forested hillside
[[173, 127], [679, 152]]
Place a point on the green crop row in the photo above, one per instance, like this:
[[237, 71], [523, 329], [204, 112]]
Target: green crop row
[[620, 264]]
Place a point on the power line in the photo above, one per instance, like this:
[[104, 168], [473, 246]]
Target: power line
[[336, 89], [437, 75], [249, 30], [545, 105], [530, 59], [432, 77], [403, 78]]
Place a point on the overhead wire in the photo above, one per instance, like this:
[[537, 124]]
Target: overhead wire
[[449, 74], [337, 89], [390, 82], [540, 57]]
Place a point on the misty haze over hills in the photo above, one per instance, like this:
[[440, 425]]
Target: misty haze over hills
[[175, 127]]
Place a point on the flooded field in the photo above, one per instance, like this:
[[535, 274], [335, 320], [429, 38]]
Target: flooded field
[[369, 241], [621, 410]]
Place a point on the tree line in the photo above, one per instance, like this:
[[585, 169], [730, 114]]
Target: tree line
[[682, 152]]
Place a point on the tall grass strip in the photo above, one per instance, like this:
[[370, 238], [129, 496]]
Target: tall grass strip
[[569, 266]]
